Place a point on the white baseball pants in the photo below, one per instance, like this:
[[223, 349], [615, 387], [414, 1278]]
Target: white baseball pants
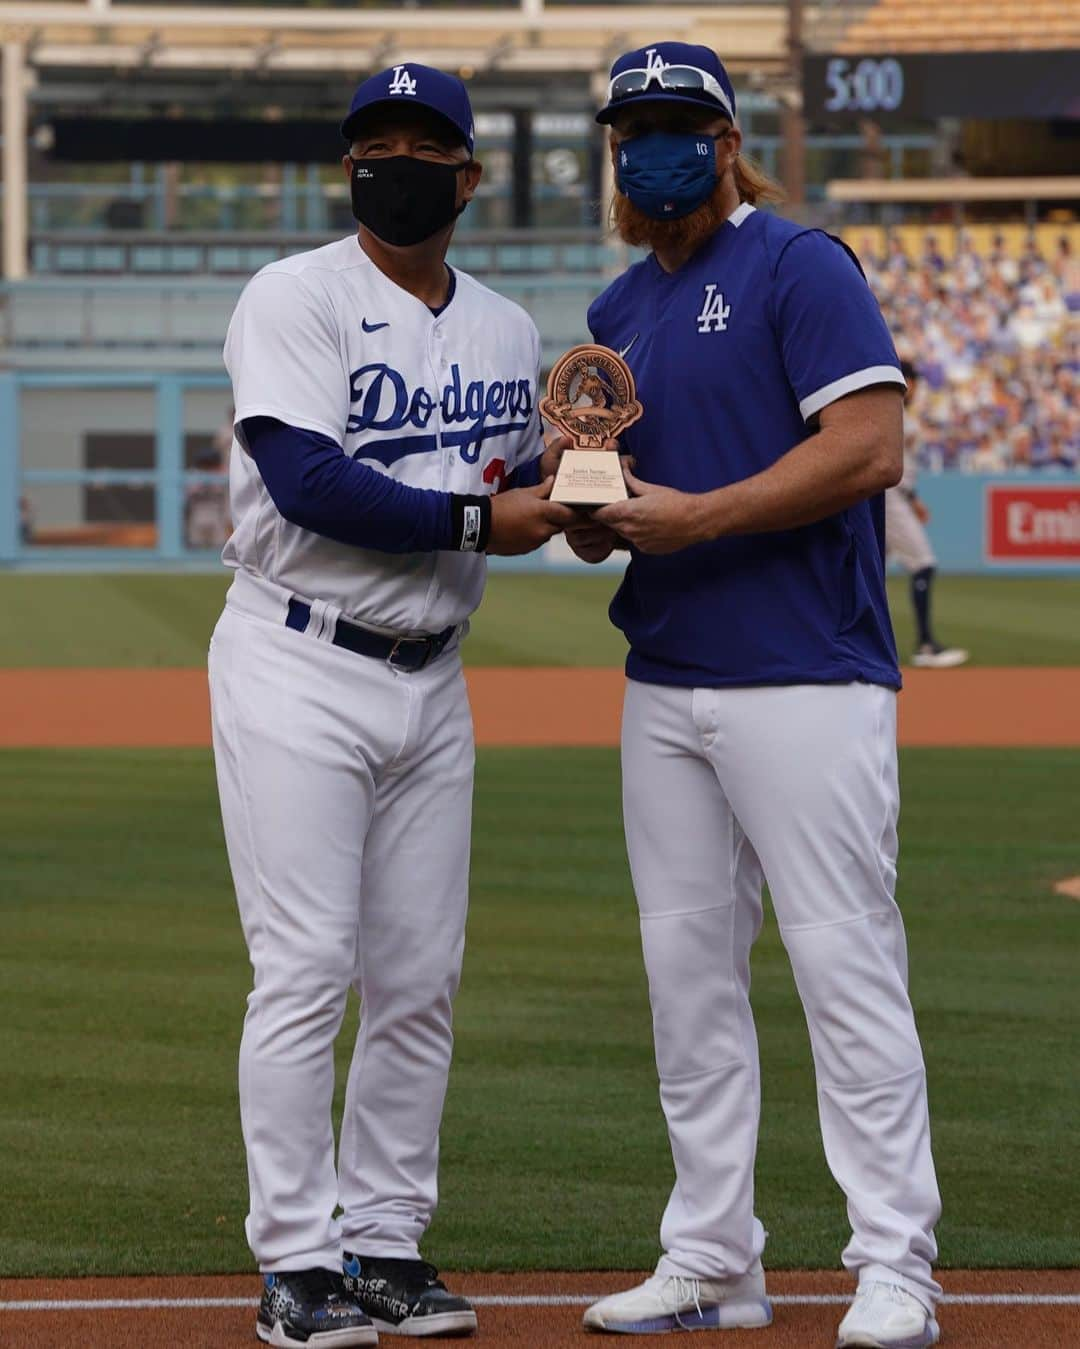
[[797, 784], [346, 796], [906, 538]]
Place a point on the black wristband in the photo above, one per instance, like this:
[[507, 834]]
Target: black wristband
[[470, 523]]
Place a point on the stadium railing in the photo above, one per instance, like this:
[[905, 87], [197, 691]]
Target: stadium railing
[[133, 253], [169, 324]]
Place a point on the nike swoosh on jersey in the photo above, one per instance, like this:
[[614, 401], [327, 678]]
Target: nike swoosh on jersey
[[372, 327], [629, 344]]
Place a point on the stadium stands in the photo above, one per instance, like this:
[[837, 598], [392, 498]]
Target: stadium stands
[[991, 319], [962, 25]]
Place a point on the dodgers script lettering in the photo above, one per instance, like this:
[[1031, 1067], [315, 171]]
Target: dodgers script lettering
[[469, 413]]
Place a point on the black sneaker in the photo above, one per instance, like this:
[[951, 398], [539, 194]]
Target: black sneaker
[[311, 1307], [406, 1297]]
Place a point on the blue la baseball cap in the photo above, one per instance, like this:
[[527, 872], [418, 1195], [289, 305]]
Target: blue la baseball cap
[[422, 86], [669, 72]]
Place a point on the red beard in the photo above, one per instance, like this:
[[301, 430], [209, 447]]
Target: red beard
[[633, 226]]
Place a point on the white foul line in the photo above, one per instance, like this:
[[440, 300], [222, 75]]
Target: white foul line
[[526, 1300]]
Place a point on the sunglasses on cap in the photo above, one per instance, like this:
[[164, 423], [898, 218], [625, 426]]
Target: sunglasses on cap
[[672, 79]]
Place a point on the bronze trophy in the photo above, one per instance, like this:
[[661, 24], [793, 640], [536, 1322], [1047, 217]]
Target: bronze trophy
[[592, 399]]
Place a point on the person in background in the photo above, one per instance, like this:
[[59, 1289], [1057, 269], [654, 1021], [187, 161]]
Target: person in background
[[26, 520], [906, 540], [206, 506]]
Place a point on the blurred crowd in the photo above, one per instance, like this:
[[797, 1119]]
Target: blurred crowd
[[996, 339]]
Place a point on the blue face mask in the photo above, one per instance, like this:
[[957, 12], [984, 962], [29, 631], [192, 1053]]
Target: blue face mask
[[668, 174]]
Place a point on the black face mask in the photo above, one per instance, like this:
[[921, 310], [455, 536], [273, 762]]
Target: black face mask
[[403, 200]]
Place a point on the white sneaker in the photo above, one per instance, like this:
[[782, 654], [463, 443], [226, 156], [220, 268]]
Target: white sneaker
[[885, 1316], [935, 657], [665, 1303]]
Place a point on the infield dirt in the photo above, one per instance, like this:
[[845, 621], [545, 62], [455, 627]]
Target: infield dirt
[[1010, 1324], [991, 707]]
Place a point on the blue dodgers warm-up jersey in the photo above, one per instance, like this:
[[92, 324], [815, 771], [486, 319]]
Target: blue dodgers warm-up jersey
[[732, 355]]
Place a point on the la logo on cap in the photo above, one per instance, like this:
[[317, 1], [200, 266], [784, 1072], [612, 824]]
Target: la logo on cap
[[402, 83], [655, 64]]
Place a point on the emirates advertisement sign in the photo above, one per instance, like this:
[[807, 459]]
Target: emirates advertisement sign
[[1036, 524]]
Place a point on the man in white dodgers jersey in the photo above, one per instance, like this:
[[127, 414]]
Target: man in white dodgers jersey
[[383, 404], [759, 725]]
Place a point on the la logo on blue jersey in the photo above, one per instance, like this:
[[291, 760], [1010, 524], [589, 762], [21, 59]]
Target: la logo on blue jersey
[[714, 312]]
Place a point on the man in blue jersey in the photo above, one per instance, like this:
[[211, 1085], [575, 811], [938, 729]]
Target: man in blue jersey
[[759, 729]]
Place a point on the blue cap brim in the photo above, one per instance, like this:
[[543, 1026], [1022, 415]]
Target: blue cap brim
[[348, 127], [608, 114]]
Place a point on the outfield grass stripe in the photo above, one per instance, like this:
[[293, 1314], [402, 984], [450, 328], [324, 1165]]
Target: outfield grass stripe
[[80, 619], [527, 1300]]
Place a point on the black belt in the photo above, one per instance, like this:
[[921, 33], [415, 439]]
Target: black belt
[[403, 653]]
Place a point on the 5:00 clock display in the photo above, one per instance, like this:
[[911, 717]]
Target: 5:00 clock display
[[867, 85]]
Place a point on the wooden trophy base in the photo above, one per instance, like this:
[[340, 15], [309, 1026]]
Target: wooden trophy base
[[589, 478]]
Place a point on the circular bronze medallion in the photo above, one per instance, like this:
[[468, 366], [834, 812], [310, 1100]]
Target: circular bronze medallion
[[591, 396]]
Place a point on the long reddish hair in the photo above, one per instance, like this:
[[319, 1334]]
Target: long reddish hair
[[753, 183]]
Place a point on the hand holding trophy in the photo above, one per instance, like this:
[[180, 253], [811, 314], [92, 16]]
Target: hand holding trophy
[[592, 399]]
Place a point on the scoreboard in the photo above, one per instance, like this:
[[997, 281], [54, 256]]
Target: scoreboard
[[928, 85]]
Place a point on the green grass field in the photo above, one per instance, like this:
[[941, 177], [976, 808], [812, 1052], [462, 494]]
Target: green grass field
[[123, 974], [123, 977], [150, 620]]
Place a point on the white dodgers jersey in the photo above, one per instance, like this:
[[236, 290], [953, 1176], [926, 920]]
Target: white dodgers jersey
[[325, 342]]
